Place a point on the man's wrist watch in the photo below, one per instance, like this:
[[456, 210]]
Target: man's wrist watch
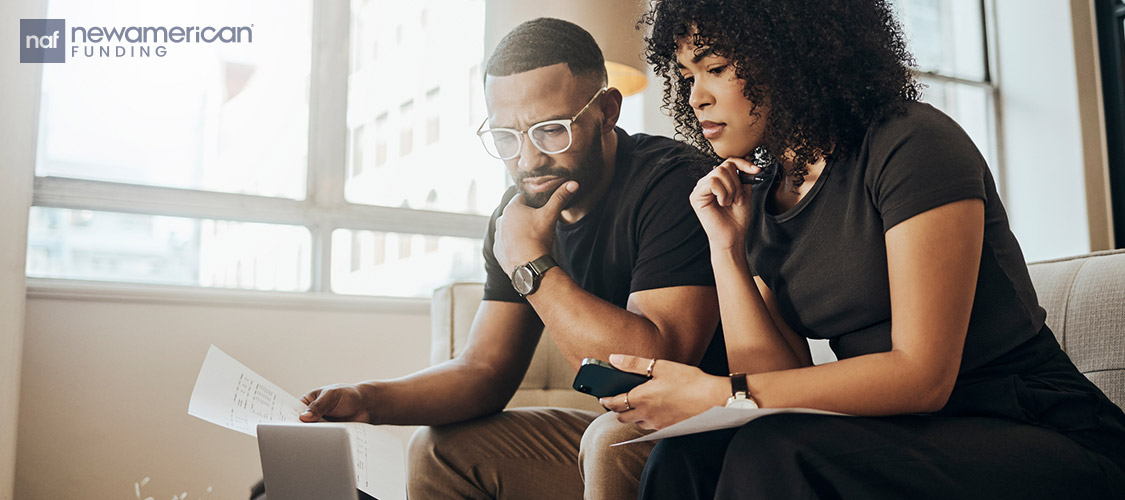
[[740, 393], [525, 278]]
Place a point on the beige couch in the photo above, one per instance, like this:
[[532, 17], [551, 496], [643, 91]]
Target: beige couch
[[1085, 301], [1084, 297], [548, 379]]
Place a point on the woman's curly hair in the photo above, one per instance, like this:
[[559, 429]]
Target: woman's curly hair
[[828, 69]]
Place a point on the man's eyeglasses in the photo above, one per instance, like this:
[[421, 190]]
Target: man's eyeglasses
[[550, 137]]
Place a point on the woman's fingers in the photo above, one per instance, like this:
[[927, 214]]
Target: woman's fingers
[[726, 177], [620, 403], [744, 165], [723, 183], [631, 364], [717, 186]]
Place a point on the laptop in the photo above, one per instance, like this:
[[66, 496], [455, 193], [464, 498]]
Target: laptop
[[307, 461]]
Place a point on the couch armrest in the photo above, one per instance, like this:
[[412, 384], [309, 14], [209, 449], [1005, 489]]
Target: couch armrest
[[451, 316], [548, 379]]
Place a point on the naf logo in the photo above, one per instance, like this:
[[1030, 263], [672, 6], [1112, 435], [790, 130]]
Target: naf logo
[[42, 40]]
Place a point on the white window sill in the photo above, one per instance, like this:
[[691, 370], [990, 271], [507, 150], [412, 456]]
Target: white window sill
[[64, 289]]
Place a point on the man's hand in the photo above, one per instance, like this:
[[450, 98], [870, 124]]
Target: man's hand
[[523, 233], [335, 403]]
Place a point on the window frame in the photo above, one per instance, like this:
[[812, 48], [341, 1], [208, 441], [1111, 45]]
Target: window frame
[[988, 83], [324, 208]]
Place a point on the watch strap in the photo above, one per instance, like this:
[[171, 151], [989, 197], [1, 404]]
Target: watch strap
[[542, 264], [738, 385], [740, 393], [525, 278]]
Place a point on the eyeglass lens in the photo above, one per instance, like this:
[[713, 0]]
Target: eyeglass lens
[[549, 138]]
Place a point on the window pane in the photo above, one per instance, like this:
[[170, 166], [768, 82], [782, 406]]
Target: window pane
[[229, 117], [971, 107], [415, 83], [946, 36], [108, 246], [401, 265]]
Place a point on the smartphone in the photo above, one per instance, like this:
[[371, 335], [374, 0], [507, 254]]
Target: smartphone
[[600, 379]]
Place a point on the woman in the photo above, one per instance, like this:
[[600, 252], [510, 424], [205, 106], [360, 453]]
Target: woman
[[879, 228]]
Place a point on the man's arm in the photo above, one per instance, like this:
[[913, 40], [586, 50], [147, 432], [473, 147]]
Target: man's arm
[[674, 323], [480, 381]]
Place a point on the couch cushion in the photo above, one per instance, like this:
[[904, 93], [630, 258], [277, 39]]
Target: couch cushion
[[1085, 301]]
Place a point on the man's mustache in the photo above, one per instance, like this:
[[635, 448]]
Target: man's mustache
[[544, 172]]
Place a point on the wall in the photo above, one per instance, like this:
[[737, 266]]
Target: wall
[[1049, 175], [107, 378], [17, 141]]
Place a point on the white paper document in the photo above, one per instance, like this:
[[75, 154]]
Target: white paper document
[[229, 394], [719, 418]]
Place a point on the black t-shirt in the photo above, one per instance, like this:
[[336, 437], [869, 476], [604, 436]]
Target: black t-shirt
[[826, 258], [641, 235]]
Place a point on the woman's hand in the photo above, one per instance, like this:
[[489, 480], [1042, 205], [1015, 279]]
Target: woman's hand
[[722, 203], [676, 392]]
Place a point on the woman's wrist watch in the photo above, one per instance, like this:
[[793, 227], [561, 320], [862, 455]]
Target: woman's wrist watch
[[740, 393]]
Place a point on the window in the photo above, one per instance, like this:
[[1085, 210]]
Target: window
[[401, 263], [406, 128], [433, 116], [216, 117], [416, 94], [96, 245], [950, 41], [358, 142], [291, 163], [382, 129]]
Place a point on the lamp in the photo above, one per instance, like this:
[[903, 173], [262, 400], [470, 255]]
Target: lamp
[[610, 22]]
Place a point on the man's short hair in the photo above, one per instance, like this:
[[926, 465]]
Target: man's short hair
[[544, 42]]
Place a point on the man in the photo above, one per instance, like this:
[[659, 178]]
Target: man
[[620, 266]]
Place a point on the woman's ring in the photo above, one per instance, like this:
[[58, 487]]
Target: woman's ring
[[627, 407], [650, 365]]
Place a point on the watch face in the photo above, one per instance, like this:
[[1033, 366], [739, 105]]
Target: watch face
[[523, 280], [743, 403]]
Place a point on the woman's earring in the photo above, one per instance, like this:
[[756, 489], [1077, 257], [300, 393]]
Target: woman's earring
[[762, 158]]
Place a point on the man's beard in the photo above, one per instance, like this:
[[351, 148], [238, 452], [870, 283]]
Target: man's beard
[[586, 173]]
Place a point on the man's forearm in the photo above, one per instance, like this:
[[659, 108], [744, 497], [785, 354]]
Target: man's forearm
[[451, 392], [585, 326]]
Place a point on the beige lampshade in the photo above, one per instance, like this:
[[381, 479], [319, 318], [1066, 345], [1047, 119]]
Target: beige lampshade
[[611, 22], [627, 79]]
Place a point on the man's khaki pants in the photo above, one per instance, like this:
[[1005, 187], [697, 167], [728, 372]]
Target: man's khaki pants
[[528, 453]]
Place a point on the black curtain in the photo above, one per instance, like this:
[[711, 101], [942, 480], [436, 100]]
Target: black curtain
[[1111, 42]]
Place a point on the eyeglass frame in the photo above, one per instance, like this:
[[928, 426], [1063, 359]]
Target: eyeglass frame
[[565, 122]]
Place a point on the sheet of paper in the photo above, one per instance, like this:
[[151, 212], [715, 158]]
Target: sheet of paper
[[380, 464], [719, 418], [229, 394]]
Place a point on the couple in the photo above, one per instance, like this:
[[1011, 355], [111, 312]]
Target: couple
[[877, 207]]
